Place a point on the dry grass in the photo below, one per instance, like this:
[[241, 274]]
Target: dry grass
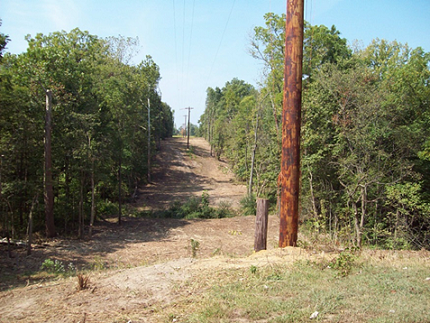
[[83, 282], [380, 287]]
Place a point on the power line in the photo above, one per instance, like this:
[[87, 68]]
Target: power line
[[222, 38], [189, 46], [176, 45], [220, 43]]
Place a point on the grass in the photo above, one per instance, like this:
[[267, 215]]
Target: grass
[[374, 290]]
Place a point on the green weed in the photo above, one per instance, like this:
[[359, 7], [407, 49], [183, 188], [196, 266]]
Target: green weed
[[57, 267], [344, 263], [194, 247]]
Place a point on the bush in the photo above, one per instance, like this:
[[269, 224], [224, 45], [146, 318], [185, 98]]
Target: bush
[[57, 267], [196, 208], [249, 205]]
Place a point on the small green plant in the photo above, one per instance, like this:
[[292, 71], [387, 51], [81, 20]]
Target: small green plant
[[253, 269], [53, 266], [216, 252], [98, 263], [344, 263], [194, 247], [190, 152], [57, 267], [249, 205]]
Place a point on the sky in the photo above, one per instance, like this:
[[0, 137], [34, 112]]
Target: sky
[[204, 43]]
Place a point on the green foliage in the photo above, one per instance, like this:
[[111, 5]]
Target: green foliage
[[195, 208], [107, 207], [345, 262], [249, 205], [57, 267], [99, 107], [365, 135]]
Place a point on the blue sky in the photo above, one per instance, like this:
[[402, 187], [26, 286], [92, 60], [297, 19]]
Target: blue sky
[[203, 43]]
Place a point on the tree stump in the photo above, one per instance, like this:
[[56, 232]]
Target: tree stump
[[261, 221]]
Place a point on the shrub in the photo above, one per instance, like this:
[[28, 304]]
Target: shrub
[[249, 205]]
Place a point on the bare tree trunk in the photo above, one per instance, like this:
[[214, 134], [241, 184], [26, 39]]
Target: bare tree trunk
[[314, 207], [119, 188], [81, 206], [30, 225], [275, 115], [253, 158], [93, 202], [363, 211], [356, 225]]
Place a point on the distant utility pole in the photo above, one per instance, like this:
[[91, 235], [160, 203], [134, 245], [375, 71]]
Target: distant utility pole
[[188, 137], [291, 118]]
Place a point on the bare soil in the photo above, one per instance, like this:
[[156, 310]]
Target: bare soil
[[139, 269], [138, 263]]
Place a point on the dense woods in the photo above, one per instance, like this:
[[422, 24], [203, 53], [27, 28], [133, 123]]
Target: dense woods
[[365, 144], [99, 132]]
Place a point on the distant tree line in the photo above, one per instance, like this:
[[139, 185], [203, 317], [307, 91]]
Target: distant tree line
[[183, 131], [99, 131], [365, 142]]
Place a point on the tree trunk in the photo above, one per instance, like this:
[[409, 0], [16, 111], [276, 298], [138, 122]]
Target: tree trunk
[[93, 202], [363, 211], [30, 226], [251, 175], [119, 188], [275, 115], [314, 207], [81, 206], [356, 225], [49, 192]]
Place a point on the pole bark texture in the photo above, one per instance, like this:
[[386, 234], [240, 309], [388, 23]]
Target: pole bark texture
[[49, 191], [261, 221], [291, 118], [149, 141]]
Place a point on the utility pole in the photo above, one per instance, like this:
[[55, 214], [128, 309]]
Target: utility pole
[[291, 118], [188, 136], [47, 179], [149, 140]]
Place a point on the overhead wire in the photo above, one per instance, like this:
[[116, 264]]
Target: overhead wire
[[176, 45], [222, 38], [189, 46]]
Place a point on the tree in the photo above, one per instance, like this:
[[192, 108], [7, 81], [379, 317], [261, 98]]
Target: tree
[[96, 134]]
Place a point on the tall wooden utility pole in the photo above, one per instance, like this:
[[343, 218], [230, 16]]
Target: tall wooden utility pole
[[291, 118], [188, 135], [49, 191], [149, 140]]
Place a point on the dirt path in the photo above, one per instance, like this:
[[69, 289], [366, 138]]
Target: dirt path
[[180, 173]]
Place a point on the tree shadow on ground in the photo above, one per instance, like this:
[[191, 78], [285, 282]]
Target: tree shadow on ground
[[108, 237]]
